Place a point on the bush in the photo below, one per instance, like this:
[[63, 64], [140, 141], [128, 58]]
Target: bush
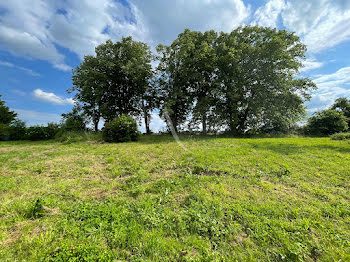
[[42, 132], [326, 122], [341, 136], [4, 131], [17, 130], [74, 120], [121, 129]]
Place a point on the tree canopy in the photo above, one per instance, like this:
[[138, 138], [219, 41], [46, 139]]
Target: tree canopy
[[326, 122], [244, 81], [116, 81]]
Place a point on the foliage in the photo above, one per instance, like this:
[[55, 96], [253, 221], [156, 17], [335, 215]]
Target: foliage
[[187, 76], [17, 130], [342, 105], [326, 122], [4, 131], [222, 199], [121, 129], [6, 115], [42, 132], [245, 81], [116, 81], [341, 136], [74, 120]]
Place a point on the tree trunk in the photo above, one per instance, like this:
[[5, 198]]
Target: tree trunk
[[96, 120], [204, 124], [146, 117], [148, 130]]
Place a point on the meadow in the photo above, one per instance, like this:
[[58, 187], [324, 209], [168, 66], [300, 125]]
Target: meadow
[[207, 199]]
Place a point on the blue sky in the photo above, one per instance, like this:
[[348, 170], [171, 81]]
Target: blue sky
[[42, 40]]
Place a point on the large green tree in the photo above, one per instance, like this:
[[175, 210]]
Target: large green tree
[[116, 81], [246, 80], [88, 83], [258, 69], [174, 93], [188, 75]]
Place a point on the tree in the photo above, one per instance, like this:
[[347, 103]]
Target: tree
[[326, 122], [342, 105], [88, 83], [189, 67], [6, 115], [245, 80], [75, 120], [116, 81], [258, 84], [174, 93]]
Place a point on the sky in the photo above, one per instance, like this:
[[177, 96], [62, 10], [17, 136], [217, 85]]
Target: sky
[[41, 41]]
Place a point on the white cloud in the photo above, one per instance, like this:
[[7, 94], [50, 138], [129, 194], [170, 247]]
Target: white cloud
[[311, 64], [85, 24], [166, 19], [35, 28], [27, 70], [24, 29], [321, 23], [330, 87], [52, 98], [36, 118], [268, 14]]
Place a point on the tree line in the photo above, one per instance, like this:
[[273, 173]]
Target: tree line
[[243, 82], [246, 81]]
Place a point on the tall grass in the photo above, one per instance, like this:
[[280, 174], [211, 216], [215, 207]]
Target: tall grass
[[78, 136]]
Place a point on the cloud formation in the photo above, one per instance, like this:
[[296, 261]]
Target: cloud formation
[[311, 64], [269, 14], [321, 23], [24, 69], [36, 28], [330, 87], [52, 98]]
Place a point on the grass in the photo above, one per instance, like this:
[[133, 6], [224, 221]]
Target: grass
[[341, 136], [213, 199]]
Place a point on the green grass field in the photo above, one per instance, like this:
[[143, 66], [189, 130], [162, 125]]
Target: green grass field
[[214, 199]]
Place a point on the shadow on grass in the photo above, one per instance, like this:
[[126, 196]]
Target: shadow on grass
[[291, 148], [284, 147]]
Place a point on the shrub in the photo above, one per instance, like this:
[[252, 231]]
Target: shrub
[[74, 120], [42, 132], [326, 122], [17, 130], [4, 131], [121, 129], [341, 136]]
